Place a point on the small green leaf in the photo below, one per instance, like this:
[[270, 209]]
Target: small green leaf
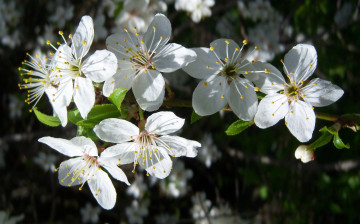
[[331, 130], [194, 117], [87, 132], [99, 113], [339, 144], [263, 192], [324, 139], [117, 97], [74, 116], [46, 119], [238, 126]]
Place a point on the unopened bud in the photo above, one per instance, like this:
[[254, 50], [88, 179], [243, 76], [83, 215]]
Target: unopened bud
[[305, 155]]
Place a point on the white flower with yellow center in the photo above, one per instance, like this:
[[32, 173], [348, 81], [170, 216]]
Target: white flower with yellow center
[[141, 61], [220, 67], [37, 77], [296, 98], [79, 73], [86, 167], [144, 146]]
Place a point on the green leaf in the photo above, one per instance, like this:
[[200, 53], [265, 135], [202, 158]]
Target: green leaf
[[117, 97], [74, 116], [124, 111], [87, 132], [324, 139], [339, 144], [331, 130], [194, 117], [238, 126], [99, 113], [46, 119], [263, 192]]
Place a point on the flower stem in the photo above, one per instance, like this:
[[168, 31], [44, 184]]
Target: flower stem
[[327, 117], [141, 114]]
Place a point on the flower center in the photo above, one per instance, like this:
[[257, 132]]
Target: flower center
[[229, 71], [293, 92]]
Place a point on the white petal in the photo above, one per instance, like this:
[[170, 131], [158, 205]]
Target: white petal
[[205, 64], [63, 146], [119, 80], [87, 145], [172, 57], [83, 37], [100, 66], [271, 109], [210, 97], [162, 123], [116, 130], [321, 93], [70, 172], [181, 146], [224, 50], [270, 81], [159, 27], [84, 95], [116, 173], [301, 120], [243, 101], [162, 168], [149, 89], [299, 152], [122, 153], [301, 60], [121, 44], [103, 189], [58, 104]]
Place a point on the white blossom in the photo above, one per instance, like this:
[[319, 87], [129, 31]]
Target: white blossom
[[145, 146], [220, 67], [142, 60], [85, 166], [77, 73], [90, 213], [209, 153], [198, 9], [296, 98], [46, 161]]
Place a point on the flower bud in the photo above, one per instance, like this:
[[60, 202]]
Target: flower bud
[[305, 155]]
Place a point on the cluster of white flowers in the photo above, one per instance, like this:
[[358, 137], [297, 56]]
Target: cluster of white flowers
[[136, 62]]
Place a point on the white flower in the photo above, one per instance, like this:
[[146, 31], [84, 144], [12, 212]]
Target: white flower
[[37, 77], [71, 66], [176, 184], [138, 187], [297, 97], [6, 219], [86, 167], [144, 146], [220, 67], [198, 8], [305, 155], [141, 61], [137, 211], [46, 161], [209, 153], [90, 213]]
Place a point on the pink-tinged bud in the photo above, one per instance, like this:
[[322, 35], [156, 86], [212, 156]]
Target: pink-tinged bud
[[305, 155]]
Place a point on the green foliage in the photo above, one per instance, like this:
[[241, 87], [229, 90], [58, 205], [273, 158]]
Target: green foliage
[[325, 138], [194, 117], [238, 126], [46, 119], [97, 114], [117, 97]]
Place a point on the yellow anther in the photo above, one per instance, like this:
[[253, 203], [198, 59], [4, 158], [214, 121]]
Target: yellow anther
[[80, 188], [153, 67], [245, 42], [207, 66], [246, 86], [256, 89], [62, 181], [217, 62], [256, 48], [286, 123], [211, 48], [96, 195], [133, 171], [134, 27], [61, 32], [242, 97], [226, 59], [161, 37], [164, 171], [222, 96], [219, 83], [55, 170], [124, 40], [147, 174], [19, 68], [315, 84], [273, 115], [272, 102], [48, 42], [313, 108], [58, 43], [84, 42], [267, 70], [117, 43], [154, 27], [310, 65], [70, 36], [236, 49], [69, 185], [205, 84], [292, 112], [246, 72], [227, 42], [125, 29], [145, 70]]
